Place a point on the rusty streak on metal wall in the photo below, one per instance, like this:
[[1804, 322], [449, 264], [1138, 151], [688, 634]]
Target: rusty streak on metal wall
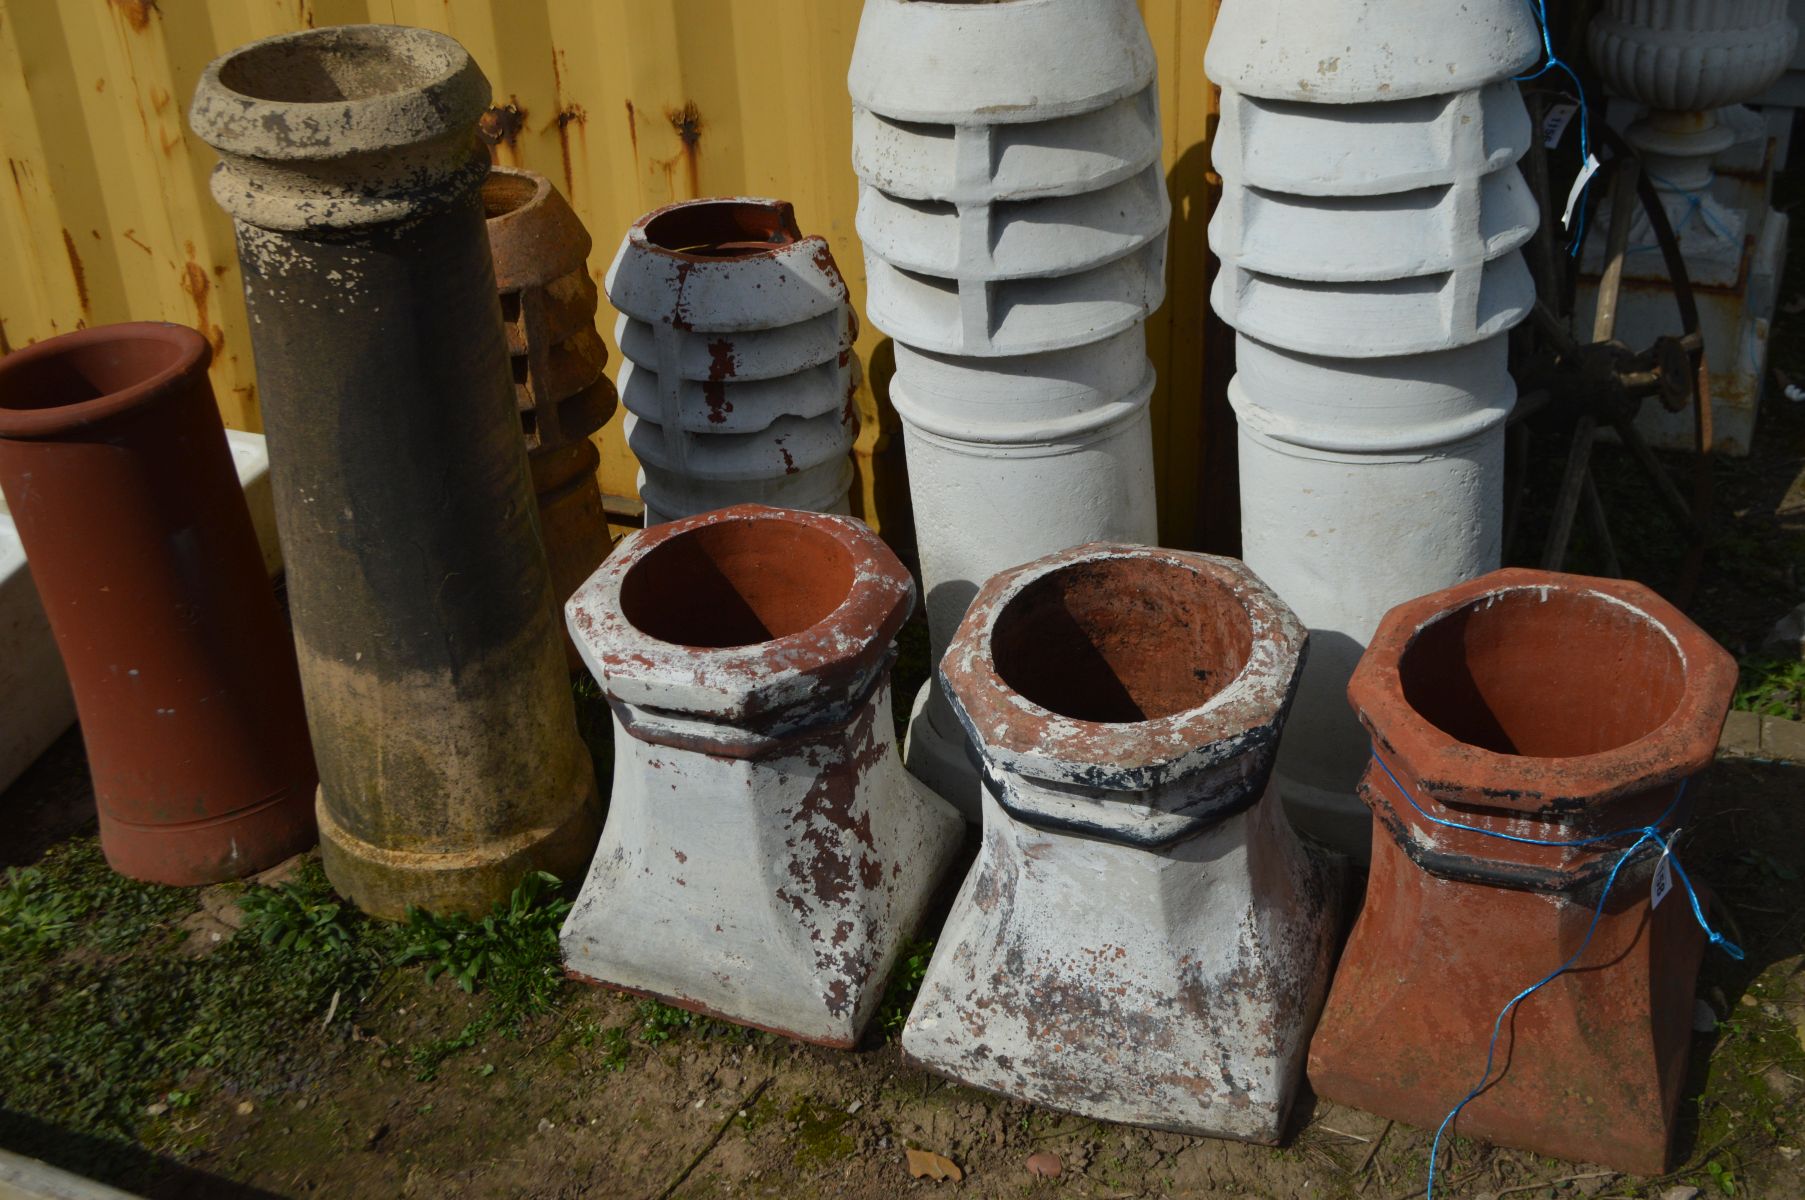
[[625, 104]]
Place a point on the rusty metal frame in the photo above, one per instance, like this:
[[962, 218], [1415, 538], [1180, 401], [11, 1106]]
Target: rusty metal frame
[[1604, 379]]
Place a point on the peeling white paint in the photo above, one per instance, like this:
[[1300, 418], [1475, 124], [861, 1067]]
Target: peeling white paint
[[1143, 938], [738, 372], [765, 854]]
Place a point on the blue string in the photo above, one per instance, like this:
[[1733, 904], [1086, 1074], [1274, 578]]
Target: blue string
[[1645, 833], [1551, 62], [1695, 207]]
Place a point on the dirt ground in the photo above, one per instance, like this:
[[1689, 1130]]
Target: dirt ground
[[567, 1110]]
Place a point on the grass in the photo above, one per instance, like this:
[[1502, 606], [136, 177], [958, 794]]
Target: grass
[[511, 954], [905, 981], [653, 1024], [1772, 686], [107, 1016], [111, 1024], [303, 917]]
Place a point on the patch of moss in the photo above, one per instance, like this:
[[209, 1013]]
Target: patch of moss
[[107, 1017], [1740, 1111], [820, 1134], [762, 1112]]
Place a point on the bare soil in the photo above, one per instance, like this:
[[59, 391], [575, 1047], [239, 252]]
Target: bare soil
[[565, 1110]]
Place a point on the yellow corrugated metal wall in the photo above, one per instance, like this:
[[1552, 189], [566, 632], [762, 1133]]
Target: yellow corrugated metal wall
[[625, 104]]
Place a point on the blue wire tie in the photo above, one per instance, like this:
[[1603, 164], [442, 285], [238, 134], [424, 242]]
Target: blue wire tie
[[1644, 833], [1551, 62]]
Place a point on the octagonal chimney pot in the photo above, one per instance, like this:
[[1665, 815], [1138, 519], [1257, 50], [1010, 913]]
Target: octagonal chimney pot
[[1143, 938], [1557, 708], [765, 854]]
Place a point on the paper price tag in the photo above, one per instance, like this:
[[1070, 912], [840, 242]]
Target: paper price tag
[[1579, 185], [1555, 121], [1662, 883]]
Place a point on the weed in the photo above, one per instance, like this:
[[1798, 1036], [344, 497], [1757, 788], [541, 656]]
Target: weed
[[513, 951], [659, 1022], [511, 955], [617, 1047], [653, 1024], [109, 1021], [115, 914], [288, 918], [34, 917], [1772, 686], [1722, 1176], [905, 980]]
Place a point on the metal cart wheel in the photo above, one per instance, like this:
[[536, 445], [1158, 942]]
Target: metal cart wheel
[[1602, 383]]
